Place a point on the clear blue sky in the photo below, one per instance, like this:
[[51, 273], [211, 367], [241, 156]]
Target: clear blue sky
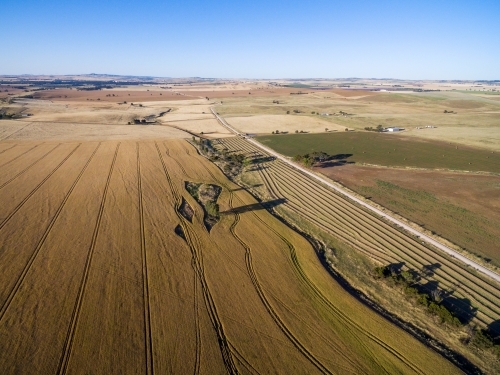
[[438, 39]]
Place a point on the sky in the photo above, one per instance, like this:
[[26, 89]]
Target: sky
[[437, 39]]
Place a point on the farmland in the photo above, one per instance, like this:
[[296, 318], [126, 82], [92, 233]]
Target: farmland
[[388, 150], [473, 297], [458, 206], [108, 257], [97, 277]]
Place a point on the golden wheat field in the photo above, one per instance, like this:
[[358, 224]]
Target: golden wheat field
[[101, 273]]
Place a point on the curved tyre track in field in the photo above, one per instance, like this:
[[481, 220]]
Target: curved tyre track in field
[[272, 313], [194, 244], [40, 243], [400, 250], [360, 331], [336, 215]]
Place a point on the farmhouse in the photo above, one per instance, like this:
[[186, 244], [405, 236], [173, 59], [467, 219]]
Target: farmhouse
[[393, 129]]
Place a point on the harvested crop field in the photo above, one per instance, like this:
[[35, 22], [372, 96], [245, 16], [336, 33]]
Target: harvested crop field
[[111, 95], [473, 297], [48, 131], [462, 207], [102, 273], [386, 149], [282, 123]]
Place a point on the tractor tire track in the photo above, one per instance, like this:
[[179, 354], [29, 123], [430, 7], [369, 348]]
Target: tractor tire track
[[21, 154], [7, 149], [147, 308], [28, 167], [270, 310], [42, 240], [405, 251], [68, 344], [251, 273], [324, 300], [399, 244], [15, 132], [18, 207]]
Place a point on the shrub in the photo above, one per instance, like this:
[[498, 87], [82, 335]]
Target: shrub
[[212, 209]]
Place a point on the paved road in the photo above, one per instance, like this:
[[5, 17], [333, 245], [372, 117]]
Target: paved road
[[392, 219]]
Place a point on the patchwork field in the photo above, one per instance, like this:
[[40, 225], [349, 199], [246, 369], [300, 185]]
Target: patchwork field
[[101, 273], [469, 119]]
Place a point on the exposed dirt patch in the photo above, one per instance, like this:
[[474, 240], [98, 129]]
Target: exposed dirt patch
[[180, 232], [186, 210]]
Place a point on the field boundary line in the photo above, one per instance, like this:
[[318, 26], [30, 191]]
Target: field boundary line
[[42, 240], [64, 361], [17, 131], [375, 210], [18, 207]]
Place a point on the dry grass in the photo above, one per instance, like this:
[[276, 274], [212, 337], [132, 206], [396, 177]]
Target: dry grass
[[289, 123], [458, 206], [92, 268]]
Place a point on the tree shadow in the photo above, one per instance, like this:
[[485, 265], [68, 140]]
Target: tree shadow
[[262, 159], [339, 156], [396, 267], [460, 307], [251, 186], [257, 168], [337, 160], [255, 206], [494, 331], [428, 269]]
